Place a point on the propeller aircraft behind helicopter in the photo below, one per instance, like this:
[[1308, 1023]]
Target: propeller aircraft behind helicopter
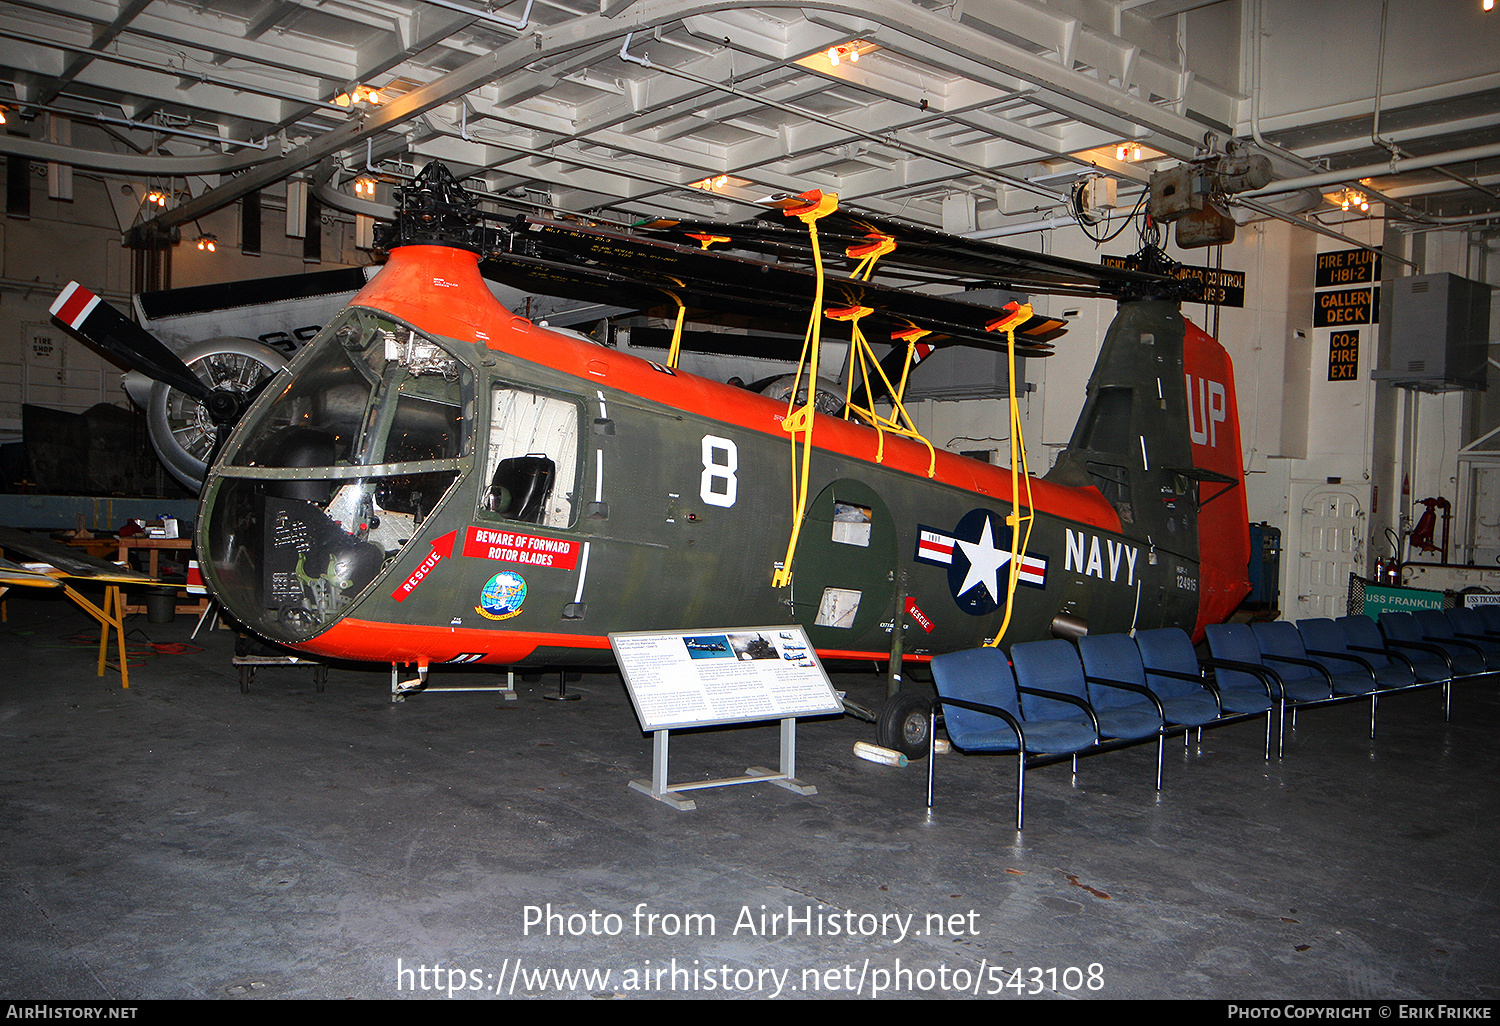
[[434, 479]]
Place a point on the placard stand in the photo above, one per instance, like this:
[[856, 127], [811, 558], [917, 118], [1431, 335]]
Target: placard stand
[[717, 676], [658, 788]]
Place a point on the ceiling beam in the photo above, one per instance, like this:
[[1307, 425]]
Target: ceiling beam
[[895, 19]]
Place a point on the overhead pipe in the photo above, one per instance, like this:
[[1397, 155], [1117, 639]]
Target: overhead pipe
[[1046, 224], [1354, 174], [491, 16], [1392, 148], [1255, 33], [147, 126], [136, 164], [1313, 226], [1471, 183], [592, 30]]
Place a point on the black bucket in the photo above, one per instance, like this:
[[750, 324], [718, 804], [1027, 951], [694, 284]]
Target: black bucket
[[161, 605]]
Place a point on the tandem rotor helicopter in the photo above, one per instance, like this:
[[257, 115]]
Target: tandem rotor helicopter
[[434, 479]]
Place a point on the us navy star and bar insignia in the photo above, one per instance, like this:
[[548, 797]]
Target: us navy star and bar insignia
[[977, 556]]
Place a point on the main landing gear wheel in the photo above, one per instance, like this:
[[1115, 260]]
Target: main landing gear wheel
[[905, 722]]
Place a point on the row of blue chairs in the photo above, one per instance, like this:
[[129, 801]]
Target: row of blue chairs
[[1460, 642], [1050, 700]]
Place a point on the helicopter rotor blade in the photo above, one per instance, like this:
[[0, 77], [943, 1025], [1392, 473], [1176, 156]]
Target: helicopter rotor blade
[[95, 322]]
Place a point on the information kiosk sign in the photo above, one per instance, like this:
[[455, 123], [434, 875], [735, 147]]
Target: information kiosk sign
[[702, 678]]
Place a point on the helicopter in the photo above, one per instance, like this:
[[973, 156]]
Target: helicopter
[[434, 479]]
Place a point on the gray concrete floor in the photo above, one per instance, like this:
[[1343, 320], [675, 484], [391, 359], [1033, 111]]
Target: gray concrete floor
[[182, 840]]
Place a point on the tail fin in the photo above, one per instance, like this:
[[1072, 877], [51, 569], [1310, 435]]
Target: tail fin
[[1146, 446], [1223, 520]]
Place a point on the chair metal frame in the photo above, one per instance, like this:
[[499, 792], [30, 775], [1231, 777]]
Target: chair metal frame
[[1389, 650], [1107, 740], [1277, 687], [1335, 695], [1018, 726], [1203, 680], [1389, 626]]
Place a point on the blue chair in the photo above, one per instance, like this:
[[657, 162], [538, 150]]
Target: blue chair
[[1437, 627], [1237, 663], [1489, 612], [1117, 657], [1282, 648], [981, 709], [1362, 636], [1171, 662], [1427, 662], [1468, 625], [1046, 670], [1405, 634], [1328, 644]]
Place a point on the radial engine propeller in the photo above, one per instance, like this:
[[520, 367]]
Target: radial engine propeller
[[192, 399]]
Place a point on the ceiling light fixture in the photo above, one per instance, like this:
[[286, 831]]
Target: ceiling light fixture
[[2, 115], [1128, 151], [715, 182], [364, 186], [208, 242], [360, 94], [842, 52]]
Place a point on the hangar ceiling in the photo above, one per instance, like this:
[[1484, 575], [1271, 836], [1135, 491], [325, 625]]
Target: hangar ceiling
[[972, 115]]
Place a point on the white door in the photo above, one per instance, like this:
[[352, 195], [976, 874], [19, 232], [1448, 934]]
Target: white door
[[1484, 513], [1331, 546]]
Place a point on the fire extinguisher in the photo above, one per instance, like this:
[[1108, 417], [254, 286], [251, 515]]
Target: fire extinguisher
[[1388, 568]]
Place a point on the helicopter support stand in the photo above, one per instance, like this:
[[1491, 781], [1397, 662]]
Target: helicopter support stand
[[563, 694], [658, 788], [401, 688]]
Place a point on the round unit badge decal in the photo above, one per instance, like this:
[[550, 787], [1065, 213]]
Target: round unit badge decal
[[502, 597]]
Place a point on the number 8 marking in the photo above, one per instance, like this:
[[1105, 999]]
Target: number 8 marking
[[713, 470]]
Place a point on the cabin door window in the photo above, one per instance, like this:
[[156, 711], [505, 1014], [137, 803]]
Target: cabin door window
[[531, 473]]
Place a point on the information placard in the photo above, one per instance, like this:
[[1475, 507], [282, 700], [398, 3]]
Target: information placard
[[732, 675], [1341, 307], [1382, 599]]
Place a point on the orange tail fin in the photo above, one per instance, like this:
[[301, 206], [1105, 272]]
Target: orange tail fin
[[1223, 520]]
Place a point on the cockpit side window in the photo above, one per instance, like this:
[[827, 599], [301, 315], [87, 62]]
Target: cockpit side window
[[369, 391], [531, 470]]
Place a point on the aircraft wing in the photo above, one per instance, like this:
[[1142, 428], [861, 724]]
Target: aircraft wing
[[12, 574], [71, 562]]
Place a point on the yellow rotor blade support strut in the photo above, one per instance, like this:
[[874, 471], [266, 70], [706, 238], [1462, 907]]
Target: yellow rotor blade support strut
[[1020, 474], [799, 418]]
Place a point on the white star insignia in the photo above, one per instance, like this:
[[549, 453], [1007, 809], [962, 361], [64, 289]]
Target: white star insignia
[[985, 562]]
